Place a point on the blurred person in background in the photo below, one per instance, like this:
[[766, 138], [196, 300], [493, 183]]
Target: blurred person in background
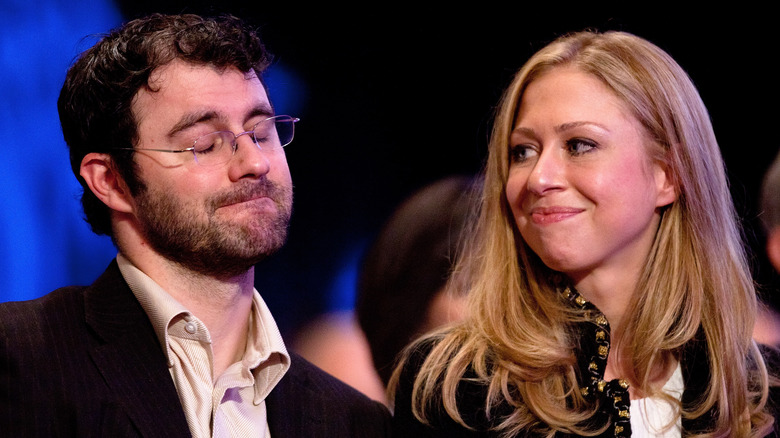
[[400, 289], [401, 285], [768, 325]]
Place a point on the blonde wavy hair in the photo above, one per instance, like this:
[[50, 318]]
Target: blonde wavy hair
[[696, 282]]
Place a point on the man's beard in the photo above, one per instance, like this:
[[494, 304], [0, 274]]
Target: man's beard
[[212, 245]]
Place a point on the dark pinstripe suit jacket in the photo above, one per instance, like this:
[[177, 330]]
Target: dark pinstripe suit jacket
[[85, 361]]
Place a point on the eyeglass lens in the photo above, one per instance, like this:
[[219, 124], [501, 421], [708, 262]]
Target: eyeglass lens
[[273, 133]]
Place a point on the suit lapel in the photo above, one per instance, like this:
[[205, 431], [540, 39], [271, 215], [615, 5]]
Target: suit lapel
[[294, 409], [130, 358]]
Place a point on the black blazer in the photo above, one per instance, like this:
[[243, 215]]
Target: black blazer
[[471, 398], [85, 361]]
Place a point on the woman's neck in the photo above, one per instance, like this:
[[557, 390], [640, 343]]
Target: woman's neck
[[610, 294]]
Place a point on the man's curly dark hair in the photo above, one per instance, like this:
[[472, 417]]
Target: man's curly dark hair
[[95, 101]]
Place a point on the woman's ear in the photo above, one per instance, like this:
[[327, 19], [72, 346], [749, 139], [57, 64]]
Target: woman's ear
[[100, 174], [666, 189]]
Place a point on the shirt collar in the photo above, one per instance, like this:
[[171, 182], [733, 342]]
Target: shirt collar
[[266, 355]]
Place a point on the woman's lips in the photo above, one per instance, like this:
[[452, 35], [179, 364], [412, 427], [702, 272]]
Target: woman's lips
[[549, 215]]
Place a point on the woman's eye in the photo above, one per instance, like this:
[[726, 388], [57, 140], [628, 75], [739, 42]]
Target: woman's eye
[[521, 153], [579, 146]]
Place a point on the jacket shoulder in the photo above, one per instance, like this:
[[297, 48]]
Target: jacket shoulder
[[311, 402], [29, 322]]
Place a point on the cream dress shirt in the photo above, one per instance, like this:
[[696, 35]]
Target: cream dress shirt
[[234, 404]]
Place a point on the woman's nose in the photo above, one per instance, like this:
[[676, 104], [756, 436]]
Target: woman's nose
[[547, 173]]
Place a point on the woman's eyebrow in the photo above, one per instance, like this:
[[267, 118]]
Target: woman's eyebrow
[[571, 125]]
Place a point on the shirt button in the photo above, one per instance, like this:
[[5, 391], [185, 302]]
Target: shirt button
[[191, 328]]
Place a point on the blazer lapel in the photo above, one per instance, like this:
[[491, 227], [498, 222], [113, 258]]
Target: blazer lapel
[[130, 358], [294, 409]]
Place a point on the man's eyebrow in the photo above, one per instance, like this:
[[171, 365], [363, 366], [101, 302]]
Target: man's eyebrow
[[261, 110], [191, 119]]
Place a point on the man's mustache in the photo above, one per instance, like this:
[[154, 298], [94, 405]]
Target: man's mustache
[[263, 188]]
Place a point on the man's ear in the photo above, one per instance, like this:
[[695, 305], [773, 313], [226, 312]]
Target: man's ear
[[100, 174]]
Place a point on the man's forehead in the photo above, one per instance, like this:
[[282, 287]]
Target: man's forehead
[[183, 83], [167, 72], [181, 91]]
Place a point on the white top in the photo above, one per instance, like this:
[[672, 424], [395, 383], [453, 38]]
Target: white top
[[651, 416]]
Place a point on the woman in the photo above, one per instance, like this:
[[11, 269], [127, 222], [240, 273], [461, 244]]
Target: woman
[[609, 287]]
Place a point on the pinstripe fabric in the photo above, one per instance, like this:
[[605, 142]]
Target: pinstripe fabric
[[233, 404], [86, 362]]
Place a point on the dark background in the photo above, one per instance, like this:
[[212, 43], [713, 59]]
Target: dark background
[[392, 98]]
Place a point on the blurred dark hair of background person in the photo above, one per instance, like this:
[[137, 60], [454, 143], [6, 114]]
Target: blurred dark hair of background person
[[767, 328], [401, 286], [401, 290]]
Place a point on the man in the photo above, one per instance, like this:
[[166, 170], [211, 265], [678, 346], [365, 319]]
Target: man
[[173, 137]]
